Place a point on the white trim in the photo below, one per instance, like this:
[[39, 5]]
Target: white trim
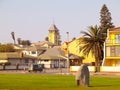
[[104, 54]]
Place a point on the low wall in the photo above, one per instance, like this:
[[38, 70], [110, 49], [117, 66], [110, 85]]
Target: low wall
[[92, 69], [12, 67], [109, 69], [75, 68]]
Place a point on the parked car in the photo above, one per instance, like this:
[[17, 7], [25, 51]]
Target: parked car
[[35, 67]]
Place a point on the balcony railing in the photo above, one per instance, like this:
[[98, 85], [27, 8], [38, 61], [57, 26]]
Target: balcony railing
[[111, 41]]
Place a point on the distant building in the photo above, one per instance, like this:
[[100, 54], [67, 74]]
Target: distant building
[[54, 36], [45, 44], [112, 48], [73, 48], [77, 57], [32, 51], [16, 58], [53, 58]]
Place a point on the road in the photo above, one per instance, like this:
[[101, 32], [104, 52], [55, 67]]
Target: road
[[45, 71]]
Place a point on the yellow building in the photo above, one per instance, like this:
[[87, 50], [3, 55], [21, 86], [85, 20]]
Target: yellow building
[[112, 48], [74, 49], [54, 35]]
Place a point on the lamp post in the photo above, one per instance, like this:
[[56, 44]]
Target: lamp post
[[67, 52]]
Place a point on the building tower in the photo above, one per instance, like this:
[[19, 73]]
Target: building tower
[[54, 36]]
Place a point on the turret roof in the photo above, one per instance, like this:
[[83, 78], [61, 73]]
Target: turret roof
[[53, 27]]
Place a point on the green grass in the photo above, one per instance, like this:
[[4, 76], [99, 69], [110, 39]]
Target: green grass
[[54, 82]]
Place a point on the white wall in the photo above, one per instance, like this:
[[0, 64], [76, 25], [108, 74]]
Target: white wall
[[30, 53], [110, 69], [47, 64], [92, 68], [75, 68]]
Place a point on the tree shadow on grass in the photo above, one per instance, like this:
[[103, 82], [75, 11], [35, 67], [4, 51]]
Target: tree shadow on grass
[[100, 85], [105, 85]]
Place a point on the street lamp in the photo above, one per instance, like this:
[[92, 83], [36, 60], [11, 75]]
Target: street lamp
[[67, 52]]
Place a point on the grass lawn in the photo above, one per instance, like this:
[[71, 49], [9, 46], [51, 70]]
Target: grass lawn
[[54, 82]]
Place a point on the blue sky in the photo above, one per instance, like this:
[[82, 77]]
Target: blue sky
[[31, 19]]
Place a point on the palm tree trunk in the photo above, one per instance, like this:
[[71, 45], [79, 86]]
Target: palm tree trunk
[[13, 36], [97, 66]]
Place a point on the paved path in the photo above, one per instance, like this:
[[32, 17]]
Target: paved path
[[45, 71], [58, 71]]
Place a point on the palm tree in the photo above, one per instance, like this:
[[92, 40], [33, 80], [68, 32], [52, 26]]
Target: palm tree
[[93, 42], [13, 36]]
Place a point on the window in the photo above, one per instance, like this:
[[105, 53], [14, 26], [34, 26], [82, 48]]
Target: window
[[26, 61], [117, 38], [107, 51], [46, 60], [117, 50], [113, 51], [33, 52]]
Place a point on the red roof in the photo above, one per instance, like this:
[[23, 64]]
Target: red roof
[[68, 42], [115, 29]]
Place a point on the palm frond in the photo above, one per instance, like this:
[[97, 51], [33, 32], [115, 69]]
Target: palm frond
[[86, 34]]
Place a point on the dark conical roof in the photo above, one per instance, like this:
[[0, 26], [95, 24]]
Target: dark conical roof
[[53, 28]]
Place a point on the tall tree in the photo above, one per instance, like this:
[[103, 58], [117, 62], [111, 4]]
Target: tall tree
[[23, 42], [13, 36], [74, 38], [105, 19], [46, 39], [19, 41], [26, 42], [93, 42]]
